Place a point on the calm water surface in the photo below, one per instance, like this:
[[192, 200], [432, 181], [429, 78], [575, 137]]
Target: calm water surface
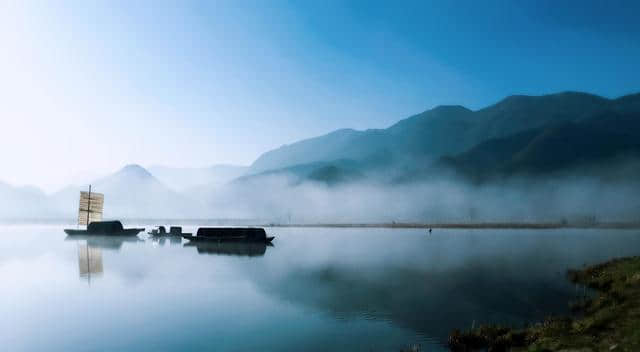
[[316, 290]]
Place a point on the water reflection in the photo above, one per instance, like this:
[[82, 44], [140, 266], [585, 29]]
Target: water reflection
[[173, 240], [318, 289], [104, 242], [246, 249], [89, 261], [432, 285], [428, 302]]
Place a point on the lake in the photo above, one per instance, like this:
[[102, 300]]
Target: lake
[[316, 289]]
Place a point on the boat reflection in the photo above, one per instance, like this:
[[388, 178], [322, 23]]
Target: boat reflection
[[89, 261], [243, 249], [173, 240], [104, 242], [90, 252]]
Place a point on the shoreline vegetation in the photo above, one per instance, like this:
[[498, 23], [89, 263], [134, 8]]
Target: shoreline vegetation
[[607, 321]]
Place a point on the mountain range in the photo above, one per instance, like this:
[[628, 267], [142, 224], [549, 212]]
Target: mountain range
[[533, 136], [131, 192], [519, 134]]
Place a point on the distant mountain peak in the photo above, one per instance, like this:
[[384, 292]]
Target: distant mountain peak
[[449, 109], [135, 170]]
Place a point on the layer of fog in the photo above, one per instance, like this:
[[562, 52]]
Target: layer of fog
[[574, 199], [285, 198]]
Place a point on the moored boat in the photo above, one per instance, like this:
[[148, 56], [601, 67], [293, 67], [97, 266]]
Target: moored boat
[[220, 234], [105, 228], [90, 214]]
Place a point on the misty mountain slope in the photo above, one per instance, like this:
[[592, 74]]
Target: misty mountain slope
[[184, 179], [340, 144], [554, 148], [445, 130], [132, 192], [330, 172], [23, 202], [332, 175]]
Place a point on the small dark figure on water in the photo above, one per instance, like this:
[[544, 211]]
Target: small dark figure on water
[[429, 230]]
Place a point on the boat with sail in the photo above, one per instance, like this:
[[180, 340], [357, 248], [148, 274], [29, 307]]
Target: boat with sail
[[90, 214]]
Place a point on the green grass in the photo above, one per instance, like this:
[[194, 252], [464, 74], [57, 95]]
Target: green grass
[[609, 321]]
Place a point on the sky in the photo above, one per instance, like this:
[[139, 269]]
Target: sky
[[89, 86]]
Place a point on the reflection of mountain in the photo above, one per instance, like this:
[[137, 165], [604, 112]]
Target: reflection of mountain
[[431, 303], [245, 249], [432, 284]]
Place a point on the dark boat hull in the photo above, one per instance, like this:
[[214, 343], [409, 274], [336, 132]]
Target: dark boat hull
[[238, 238], [124, 232]]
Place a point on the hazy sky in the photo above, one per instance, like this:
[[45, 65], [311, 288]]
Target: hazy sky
[[86, 87]]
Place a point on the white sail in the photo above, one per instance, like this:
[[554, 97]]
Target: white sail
[[90, 209]]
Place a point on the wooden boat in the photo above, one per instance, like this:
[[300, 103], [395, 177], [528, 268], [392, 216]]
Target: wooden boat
[[104, 228], [90, 214], [223, 234]]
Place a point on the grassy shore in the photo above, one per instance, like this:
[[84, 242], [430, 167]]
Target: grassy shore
[[609, 321]]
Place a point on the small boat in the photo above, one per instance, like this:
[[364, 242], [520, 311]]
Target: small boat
[[90, 214], [220, 234], [162, 231], [104, 228]]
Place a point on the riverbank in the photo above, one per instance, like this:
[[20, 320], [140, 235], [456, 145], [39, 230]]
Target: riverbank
[[609, 321]]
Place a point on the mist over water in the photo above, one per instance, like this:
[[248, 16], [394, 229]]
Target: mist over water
[[574, 199], [580, 197], [317, 289]]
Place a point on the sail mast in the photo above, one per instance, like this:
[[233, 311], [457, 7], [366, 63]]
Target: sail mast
[[89, 206]]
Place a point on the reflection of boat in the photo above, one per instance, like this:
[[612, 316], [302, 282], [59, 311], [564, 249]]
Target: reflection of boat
[[248, 249], [239, 234], [104, 242], [163, 239], [90, 214], [89, 261]]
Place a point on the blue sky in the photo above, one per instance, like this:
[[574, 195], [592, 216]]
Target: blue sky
[[96, 85]]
